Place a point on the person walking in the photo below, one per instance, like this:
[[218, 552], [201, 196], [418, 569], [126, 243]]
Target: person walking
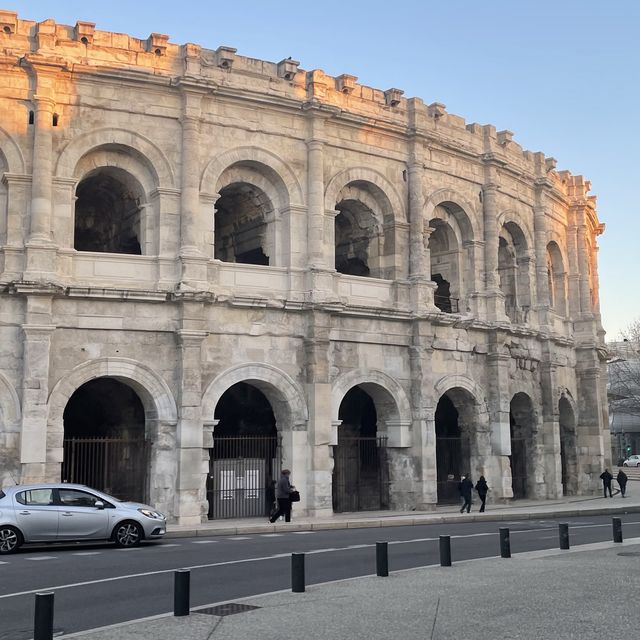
[[606, 478], [283, 496], [465, 487], [621, 479], [482, 488]]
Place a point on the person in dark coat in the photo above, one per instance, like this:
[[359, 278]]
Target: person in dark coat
[[621, 479], [606, 478], [283, 496], [465, 487], [482, 488]]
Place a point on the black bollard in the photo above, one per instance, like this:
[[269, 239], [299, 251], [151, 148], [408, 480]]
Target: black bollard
[[445, 551], [505, 544], [181, 592], [382, 559], [617, 529], [43, 618], [297, 572], [563, 531]]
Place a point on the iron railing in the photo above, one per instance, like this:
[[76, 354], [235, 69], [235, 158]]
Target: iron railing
[[117, 466], [360, 474], [447, 304], [242, 475]]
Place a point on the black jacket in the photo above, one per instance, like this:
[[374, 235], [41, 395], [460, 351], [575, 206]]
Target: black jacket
[[621, 477], [283, 488], [606, 477], [465, 488], [482, 488]]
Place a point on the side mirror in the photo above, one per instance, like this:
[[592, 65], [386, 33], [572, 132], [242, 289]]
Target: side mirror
[[98, 504]]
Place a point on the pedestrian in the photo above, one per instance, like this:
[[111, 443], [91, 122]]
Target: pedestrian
[[283, 496], [606, 478], [482, 489], [465, 487], [621, 479]]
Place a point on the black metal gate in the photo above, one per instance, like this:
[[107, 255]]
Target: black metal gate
[[360, 474], [449, 468], [518, 461], [117, 466], [242, 475]]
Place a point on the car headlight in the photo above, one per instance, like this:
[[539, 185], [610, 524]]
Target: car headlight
[[154, 515]]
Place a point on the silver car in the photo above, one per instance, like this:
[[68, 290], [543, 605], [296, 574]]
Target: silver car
[[65, 512]]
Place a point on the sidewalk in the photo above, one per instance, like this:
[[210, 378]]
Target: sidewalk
[[519, 510], [536, 595]]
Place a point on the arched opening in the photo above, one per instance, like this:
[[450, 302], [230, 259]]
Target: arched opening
[[243, 217], [244, 460], [522, 423], [556, 279], [362, 247], [457, 424], [104, 439], [360, 472], [445, 256], [108, 212], [568, 448], [513, 272]]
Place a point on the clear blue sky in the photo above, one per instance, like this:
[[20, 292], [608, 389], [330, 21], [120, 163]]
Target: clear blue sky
[[563, 75]]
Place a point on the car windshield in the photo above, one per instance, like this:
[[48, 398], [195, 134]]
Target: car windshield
[[2, 494]]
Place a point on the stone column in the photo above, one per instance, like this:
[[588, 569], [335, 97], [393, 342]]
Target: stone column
[[499, 407], [541, 241], [494, 296], [322, 433], [315, 193], [586, 309], [573, 268], [193, 260], [190, 498], [41, 185], [34, 447]]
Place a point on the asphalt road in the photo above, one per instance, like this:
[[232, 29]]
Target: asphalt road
[[97, 585]]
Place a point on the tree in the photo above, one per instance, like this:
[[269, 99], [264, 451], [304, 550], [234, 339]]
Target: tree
[[623, 388]]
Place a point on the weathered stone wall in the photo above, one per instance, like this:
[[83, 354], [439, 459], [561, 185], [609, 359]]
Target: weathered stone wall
[[180, 326]]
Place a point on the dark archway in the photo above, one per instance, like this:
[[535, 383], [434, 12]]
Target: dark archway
[[108, 212], [104, 439], [360, 473], [244, 460], [243, 214], [568, 448], [522, 422], [453, 451]]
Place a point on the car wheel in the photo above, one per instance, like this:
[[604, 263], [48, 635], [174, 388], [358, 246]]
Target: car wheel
[[624, 464], [10, 539], [128, 534]]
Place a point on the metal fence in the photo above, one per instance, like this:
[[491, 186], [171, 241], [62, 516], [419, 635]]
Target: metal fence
[[360, 474], [117, 466], [242, 475]]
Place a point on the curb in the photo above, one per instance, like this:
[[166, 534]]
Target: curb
[[393, 521]]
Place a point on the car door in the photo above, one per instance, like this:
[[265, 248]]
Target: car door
[[80, 519], [37, 514]]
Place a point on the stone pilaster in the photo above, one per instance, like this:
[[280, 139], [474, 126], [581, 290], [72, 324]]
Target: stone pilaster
[[321, 431], [550, 424], [541, 240], [37, 331], [316, 258], [423, 412], [190, 498], [499, 406], [586, 310]]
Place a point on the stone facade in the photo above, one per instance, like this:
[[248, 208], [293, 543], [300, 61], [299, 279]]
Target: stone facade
[[299, 233]]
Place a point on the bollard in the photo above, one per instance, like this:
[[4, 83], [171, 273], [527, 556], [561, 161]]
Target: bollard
[[505, 544], [382, 559], [297, 572], [43, 618], [563, 531], [617, 529], [445, 551], [181, 592]]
